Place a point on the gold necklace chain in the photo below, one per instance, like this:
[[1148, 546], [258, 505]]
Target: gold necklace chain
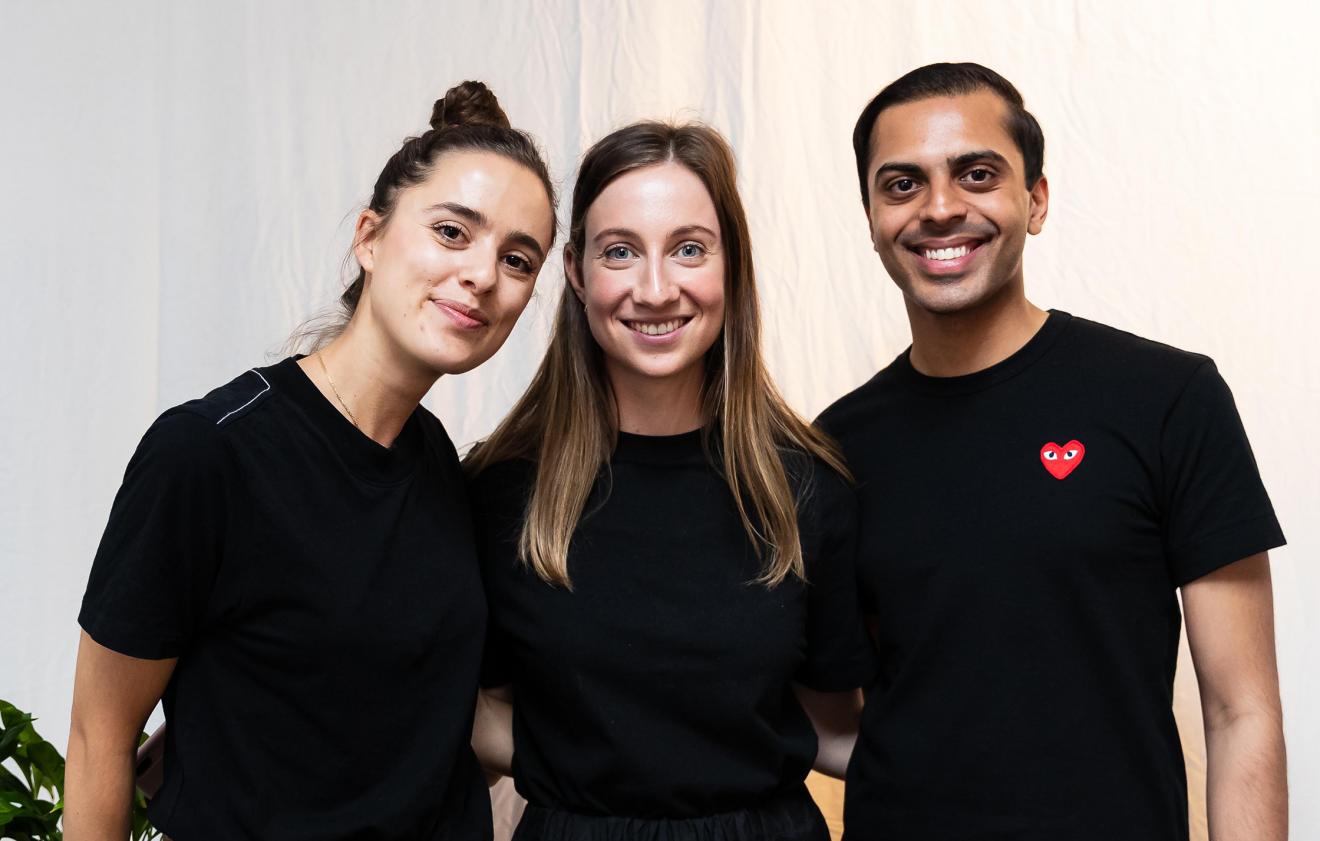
[[339, 396]]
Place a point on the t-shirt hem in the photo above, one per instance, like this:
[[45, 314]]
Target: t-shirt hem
[[841, 679], [1224, 547]]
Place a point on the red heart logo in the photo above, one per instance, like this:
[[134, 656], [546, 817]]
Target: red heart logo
[[1060, 461]]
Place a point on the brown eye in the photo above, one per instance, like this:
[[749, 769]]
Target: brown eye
[[518, 263], [903, 185], [449, 231], [979, 176]]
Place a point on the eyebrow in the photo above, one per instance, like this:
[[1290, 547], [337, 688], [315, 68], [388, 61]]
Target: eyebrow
[[475, 217], [954, 163], [529, 242], [479, 220], [979, 155], [610, 233], [694, 229], [627, 233]]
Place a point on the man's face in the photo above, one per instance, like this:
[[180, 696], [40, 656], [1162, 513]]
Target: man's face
[[950, 211]]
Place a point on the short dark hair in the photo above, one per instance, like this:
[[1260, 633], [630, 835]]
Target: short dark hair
[[948, 79]]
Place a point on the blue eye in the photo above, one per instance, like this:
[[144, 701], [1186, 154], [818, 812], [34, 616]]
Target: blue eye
[[618, 252], [691, 250]]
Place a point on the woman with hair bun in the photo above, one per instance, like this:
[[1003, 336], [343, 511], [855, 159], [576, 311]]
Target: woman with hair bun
[[667, 546], [289, 563]]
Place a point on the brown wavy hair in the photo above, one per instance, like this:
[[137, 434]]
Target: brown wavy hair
[[567, 423]]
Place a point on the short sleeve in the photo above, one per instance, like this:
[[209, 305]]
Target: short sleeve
[[495, 666], [839, 652], [495, 495], [1215, 507], [154, 569]]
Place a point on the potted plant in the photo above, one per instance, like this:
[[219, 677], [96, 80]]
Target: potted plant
[[32, 800]]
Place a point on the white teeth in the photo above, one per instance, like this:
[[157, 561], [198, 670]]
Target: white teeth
[[947, 253], [653, 329]]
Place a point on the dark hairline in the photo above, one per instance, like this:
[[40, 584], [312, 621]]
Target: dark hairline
[[941, 80]]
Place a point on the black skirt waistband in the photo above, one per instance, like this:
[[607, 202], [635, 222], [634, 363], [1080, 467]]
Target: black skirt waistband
[[790, 816]]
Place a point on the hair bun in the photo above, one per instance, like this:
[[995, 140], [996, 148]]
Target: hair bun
[[468, 104]]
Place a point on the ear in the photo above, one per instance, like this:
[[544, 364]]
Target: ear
[[573, 272], [364, 239], [1040, 206]]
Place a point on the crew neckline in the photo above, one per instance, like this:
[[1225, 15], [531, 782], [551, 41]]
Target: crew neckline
[[1002, 371], [683, 448], [364, 456]]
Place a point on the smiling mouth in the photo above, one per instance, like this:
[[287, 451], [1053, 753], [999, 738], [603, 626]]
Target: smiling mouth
[[947, 254], [657, 328], [467, 318]]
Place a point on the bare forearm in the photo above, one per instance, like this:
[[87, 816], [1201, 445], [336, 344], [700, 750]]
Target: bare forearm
[[833, 753], [98, 792], [492, 736], [835, 716], [1246, 779]]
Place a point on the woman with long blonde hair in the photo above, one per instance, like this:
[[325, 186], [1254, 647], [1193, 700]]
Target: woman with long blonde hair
[[666, 545]]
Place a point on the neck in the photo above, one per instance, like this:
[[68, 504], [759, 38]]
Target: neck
[[654, 406], [955, 344], [376, 389]]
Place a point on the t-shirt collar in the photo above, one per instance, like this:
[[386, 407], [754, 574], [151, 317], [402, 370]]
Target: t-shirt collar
[[363, 456], [1019, 361]]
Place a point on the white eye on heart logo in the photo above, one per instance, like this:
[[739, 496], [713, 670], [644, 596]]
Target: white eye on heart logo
[[1060, 461]]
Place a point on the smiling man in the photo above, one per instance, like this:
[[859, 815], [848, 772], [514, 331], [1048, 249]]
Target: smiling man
[[1035, 489]]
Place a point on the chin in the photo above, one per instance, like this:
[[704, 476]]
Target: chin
[[447, 355], [653, 370], [948, 298]]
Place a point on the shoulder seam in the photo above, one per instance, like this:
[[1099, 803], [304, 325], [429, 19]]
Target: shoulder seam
[[249, 402]]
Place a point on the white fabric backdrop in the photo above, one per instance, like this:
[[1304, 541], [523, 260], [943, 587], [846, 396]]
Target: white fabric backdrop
[[178, 180]]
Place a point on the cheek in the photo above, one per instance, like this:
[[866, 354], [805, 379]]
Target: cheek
[[605, 291], [429, 261], [885, 223], [712, 301], [708, 292], [514, 300]]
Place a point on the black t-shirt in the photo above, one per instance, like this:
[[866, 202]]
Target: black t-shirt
[[660, 685], [323, 596], [1024, 530]]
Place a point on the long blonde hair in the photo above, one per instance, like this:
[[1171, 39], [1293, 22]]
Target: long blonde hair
[[566, 422]]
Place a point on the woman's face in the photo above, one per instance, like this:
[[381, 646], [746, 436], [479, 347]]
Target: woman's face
[[455, 264], [651, 274]]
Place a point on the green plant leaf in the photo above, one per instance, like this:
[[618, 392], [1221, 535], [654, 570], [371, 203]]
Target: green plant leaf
[[48, 761], [11, 786], [10, 713], [12, 735]]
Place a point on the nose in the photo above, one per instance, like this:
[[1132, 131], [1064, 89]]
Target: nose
[[654, 286], [479, 272], [943, 204]]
